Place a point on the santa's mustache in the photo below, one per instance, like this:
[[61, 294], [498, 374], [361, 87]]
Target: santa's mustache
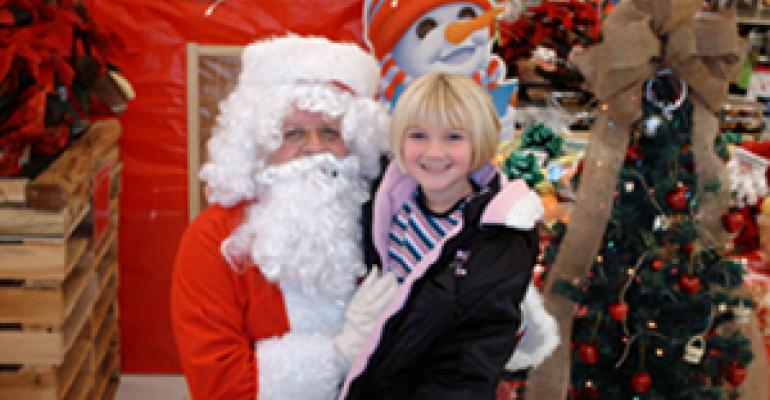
[[318, 168]]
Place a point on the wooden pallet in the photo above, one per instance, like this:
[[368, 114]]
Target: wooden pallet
[[42, 331], [20, 220], [59, 336], [24, 221], [30, 255], [68, 178], [12, 190], [49, 301], [107, 361], [50, 382], [49, 204]]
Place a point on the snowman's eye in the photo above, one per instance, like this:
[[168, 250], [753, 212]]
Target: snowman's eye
[[466, 13], [425, 26]]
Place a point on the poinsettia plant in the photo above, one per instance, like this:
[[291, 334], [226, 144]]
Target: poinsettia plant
[[51, 54], [557, 25]]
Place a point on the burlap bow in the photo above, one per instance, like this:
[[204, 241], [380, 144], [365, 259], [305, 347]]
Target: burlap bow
[[641, 37]]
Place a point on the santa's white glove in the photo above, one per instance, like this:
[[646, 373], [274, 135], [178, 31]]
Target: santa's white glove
[[371, 298]]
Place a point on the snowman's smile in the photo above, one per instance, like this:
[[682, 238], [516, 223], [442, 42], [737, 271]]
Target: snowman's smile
[[458, 55]]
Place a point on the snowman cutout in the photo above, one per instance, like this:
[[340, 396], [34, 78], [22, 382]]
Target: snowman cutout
[[414, 37]]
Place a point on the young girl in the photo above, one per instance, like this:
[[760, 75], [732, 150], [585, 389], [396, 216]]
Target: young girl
[[461, 240]]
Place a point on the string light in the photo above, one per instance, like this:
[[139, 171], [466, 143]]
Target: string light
[[589, 383], [631, 272], [652, 324], [575, 281], [659, 352], [722, 307]]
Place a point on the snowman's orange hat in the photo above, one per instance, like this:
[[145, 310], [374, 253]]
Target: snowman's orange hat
[[386, 21]]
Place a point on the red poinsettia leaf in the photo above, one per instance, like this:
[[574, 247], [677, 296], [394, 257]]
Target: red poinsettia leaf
[[6, 60], [55, 37], [29, 114], [65, 72], [566, 20], [52, 140], [7, 18]]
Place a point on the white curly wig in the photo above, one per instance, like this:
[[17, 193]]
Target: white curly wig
[[281, 74]]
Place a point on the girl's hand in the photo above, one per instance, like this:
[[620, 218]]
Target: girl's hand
[[371, 298]]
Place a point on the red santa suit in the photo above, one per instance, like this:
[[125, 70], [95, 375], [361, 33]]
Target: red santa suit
[[218, 313]]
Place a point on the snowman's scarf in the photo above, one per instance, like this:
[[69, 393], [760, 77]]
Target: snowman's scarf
[[392, 76]]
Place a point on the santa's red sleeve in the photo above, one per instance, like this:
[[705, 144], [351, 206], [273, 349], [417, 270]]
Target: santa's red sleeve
[[217, 313]]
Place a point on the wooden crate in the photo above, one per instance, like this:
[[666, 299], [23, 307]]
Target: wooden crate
[[59, 334], [107, 360], [42, 330], [68, 179], [51, 382], [12, 190], [28, 257]]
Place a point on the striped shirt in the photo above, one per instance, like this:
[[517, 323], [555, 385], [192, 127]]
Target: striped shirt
[[415, 230]]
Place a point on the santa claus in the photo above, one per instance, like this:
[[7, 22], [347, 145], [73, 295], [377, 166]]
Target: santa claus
[[263, 279]]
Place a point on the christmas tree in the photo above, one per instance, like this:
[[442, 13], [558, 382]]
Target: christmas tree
[[641, 262], [650, 308]]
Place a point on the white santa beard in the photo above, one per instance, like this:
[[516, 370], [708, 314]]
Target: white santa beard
[[304, 231]]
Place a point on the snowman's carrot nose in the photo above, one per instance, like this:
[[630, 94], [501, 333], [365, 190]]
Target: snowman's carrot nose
[[457, 31]]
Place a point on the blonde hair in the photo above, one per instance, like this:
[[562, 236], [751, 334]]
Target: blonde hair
[[451, 101]]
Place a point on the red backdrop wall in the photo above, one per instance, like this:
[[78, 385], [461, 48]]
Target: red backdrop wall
[[154, 144]]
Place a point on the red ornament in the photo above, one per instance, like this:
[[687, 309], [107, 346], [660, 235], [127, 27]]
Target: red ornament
[[690, 283], [735, 373], [633, 154], [657, 265], [677, 200], [589, 353], [733, 221], [619, 311], [641, 382]]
